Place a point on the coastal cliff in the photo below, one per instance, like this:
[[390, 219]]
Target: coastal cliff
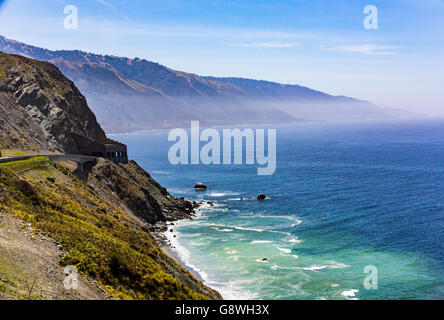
[[42, 109], [102, 222]]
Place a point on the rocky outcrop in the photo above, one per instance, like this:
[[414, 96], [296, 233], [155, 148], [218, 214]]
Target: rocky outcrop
[[35, 95], [133, 190], [131, 186]]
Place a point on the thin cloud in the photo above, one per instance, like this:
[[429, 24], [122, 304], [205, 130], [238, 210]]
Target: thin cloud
[[369, 49], [268, 45], [107, 4]]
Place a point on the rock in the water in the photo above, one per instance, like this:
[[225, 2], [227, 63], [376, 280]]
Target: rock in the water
[[261, 197], [200, 186]]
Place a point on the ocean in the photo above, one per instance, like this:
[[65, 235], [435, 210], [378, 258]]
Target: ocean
[[348, 201]]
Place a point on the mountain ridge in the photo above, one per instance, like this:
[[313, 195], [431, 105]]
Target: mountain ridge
[[133, 94]]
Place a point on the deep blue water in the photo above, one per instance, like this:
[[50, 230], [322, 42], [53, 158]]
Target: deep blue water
[[344, 196]]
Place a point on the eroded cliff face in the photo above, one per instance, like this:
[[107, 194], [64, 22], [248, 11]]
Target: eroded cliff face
[[133, 189], [41, 108]]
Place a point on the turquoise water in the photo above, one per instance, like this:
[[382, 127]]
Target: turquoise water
[[344, 196]]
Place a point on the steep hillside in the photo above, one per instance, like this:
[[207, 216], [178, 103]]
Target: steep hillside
[[132, 188], [102, 223], [172, 83], [104, 242], [30, 265], [271, 90], [35, 95]]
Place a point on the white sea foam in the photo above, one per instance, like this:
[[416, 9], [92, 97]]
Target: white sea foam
[[177, 191], [350, 294], [288, 234], [212, 207], [260, 241], [160, 172], [219, 227], [229, 290], [232, 289], [284, 250], [314, 268], [235, 199], [183, 253], [298, 222], [248, 229], [223, 194], [261, 261], [291, 218], [333, 265], [337, 265]]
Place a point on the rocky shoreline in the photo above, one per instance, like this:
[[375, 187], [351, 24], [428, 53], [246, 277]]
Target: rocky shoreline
[[159, 229]]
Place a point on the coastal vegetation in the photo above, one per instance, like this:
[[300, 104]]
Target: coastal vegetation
[[102, 241], [102, 219]]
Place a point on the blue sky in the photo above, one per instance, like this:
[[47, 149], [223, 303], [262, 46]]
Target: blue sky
[[321, 44]]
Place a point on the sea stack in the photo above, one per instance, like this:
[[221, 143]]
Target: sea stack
[[261, 197], [200, 186]]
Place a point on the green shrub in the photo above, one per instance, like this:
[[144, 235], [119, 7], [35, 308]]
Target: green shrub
[[100, 240]]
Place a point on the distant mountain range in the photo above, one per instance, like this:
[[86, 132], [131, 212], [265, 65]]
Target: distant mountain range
[[129, 95]]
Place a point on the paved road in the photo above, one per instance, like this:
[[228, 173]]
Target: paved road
[[54, 157]]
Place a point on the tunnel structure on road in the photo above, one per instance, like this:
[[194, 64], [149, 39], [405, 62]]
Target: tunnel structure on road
[[108, 149], [116, 152]]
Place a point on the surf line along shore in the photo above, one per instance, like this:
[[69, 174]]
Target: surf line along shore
[[168, 243], [165, 235], [210, 153]]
